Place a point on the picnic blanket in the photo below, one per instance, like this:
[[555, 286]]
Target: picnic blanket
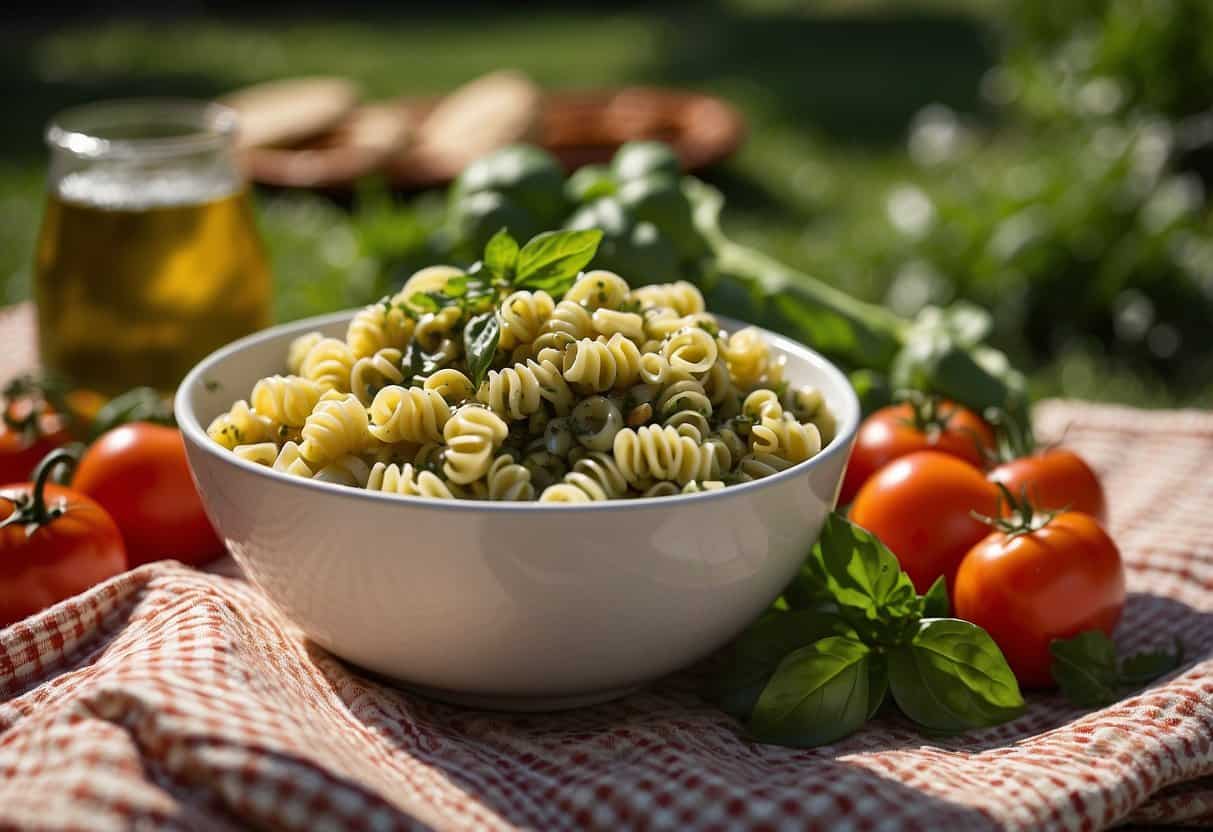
[[169, 698]]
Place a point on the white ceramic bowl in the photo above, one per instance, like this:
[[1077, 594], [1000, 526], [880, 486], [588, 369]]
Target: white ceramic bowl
[[508, 605]]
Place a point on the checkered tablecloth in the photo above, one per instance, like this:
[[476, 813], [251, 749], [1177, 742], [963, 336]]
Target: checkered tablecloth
[[176, 699]]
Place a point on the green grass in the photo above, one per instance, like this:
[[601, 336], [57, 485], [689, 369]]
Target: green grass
[[828, 95]]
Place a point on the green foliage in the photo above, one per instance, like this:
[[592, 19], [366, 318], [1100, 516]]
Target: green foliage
[[1089, 672], [855, 632]]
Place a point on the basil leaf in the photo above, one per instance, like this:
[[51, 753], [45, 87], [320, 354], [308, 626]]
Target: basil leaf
[[419, 363], [552, 260], [878, 682], [423, 301], [1147, 666], [480, 338], [456, 287], [747, 664], [501, 255], [952, 677], [818, 694], [935, 604], [866, 581], [1086, 668]]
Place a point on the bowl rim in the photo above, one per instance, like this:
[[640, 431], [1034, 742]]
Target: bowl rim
[[192, 429]]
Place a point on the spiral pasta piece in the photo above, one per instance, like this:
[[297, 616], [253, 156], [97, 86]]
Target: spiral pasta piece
[[240, 426], [285, 400], [568, 322], [756, 466], [598, 289], [349, 470], [517, 392], [262, 453], [608, 322], [523, 314], [472, 435], [690, 350], [681, 297], [748, 357], [436, 328], [291, 461], [408, 414], [597, 366], [594, 423], [379, 326], [298, 350], [335, 428], [807, 405], [329, 363], [563, 492], [507, 480], [454, 386], [786, 438], [407, 481], [598, 475], [762, 404], [372, 374], [429, 279], [653, 453]]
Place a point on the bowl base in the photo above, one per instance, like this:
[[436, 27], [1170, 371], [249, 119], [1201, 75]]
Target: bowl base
[[513, 702]]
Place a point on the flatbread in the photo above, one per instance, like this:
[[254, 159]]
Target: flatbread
[[282, 113]]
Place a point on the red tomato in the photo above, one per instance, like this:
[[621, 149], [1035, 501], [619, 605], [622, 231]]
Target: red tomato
[[1026, 590], [138, 473], [892, 432], [1054, 479], [54, 543], [20, 452], [920, 507]]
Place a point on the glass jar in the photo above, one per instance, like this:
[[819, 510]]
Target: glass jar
[[149, 256]]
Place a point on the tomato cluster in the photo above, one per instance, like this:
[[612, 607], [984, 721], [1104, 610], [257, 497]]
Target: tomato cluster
[[132, 499], [1018, 538]]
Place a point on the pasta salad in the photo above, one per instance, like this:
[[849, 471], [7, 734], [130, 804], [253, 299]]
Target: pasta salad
[[525, 378]]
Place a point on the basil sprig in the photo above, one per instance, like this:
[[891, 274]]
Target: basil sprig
[[1089, 672], [550, 261], [850, 634]]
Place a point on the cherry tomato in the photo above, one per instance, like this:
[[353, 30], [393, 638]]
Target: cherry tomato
[[900, 429], [138, 473], [54, 543], [921, 507], [1053, 582], [1054, 479], [19, 453]]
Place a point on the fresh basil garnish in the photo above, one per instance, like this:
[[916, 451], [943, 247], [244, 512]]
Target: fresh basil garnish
[[417, 363], [936, 604], [551, 261], [746, 667], [951, 676], [1090, 674], [819, 694], [501, 256], [864, 578], [480, 338]]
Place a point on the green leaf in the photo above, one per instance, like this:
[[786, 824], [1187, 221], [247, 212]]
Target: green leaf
[[1089, 674], [747, 664], [818, 694], [456, 287], [1147, 666], [935, 603], [952, 677], [480, 338], [1084, 667], [865, 580], [419, 363], [501, 255], [552, 260], [423, 302], [878, 682]]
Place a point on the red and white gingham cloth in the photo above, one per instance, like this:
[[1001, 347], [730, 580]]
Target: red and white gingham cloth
[[171, 698]]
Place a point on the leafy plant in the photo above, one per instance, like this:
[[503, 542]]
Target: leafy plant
[[1089, 672], [852, 632]]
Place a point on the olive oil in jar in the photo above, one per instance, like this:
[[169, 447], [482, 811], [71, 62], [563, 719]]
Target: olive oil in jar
[[148, 262]]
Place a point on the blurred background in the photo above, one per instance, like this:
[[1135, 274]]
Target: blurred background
[[1050, 161]]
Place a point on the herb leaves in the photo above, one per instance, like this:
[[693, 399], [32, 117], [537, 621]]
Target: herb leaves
[[1089, 672], [856, 632]]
